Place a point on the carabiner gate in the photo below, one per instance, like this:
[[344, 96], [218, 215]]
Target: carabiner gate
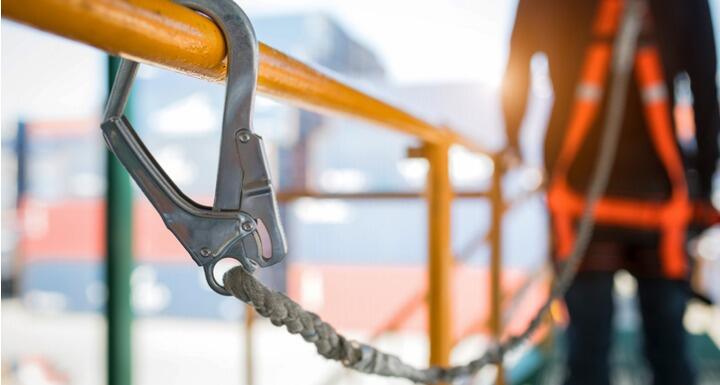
[[245, 211]]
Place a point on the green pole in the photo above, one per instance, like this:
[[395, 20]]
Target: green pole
[[119, 263]]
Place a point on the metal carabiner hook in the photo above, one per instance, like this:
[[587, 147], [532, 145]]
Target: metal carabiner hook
[[245, 211]]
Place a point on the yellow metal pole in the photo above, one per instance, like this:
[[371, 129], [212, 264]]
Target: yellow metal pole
[[440, 263], [498, 209], [249, 349], [168, 35]]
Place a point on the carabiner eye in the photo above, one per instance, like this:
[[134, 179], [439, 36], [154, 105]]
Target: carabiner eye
[[244, 196], [212, 281]]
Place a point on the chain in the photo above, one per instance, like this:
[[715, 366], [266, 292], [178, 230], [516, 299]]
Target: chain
[[283, 311]]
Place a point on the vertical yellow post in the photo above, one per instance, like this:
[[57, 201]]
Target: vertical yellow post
[[498, 209], [439, 195], [249, 350]]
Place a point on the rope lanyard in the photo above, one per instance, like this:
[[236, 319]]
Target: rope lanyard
[[283, 311]]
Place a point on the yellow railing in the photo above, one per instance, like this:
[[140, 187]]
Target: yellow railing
[[165, 34]]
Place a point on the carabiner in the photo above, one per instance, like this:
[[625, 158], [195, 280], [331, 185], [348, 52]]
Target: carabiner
[[245, 211]]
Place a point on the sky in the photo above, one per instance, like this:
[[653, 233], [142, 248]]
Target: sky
[[420, 40]]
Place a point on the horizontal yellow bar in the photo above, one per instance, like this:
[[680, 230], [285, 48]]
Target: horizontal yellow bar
[[168, 35]]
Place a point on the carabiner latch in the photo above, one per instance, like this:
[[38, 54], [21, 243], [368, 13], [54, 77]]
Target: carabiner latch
[[244, 215]]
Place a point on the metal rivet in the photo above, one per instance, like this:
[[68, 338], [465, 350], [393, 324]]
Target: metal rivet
[[243, 136], [205, 252], [247, 226]]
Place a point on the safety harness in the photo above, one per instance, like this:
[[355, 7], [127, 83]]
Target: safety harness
[[670, 217]]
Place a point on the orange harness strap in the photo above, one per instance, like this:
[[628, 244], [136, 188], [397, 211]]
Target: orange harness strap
[[670, 217]]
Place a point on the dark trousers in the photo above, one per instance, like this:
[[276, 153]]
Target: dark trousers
[[662, 305]]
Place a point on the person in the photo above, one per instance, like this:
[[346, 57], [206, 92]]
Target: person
[[644, 222]]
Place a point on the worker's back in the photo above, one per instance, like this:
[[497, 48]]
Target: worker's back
[[562, 30], [642, 222]]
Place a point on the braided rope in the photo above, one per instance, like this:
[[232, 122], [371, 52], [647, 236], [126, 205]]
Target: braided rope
[[283, 311]]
